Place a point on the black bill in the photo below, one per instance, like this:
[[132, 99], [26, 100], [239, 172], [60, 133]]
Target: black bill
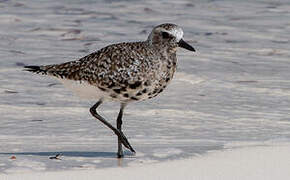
[[185, 45]]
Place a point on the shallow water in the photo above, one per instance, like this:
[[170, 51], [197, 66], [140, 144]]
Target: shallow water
[[234, 90]]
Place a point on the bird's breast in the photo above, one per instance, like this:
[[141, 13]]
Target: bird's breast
[[140, 79]]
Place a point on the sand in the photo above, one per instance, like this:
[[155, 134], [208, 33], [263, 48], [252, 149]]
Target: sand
[[264, 162]]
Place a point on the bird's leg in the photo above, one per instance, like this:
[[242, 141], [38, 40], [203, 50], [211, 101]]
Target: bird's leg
[[119, 127], [120, 134]]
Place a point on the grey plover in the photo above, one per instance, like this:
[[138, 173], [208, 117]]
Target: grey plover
[[124, 72]]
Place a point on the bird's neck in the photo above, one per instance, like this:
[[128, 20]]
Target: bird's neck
[[163, 49]]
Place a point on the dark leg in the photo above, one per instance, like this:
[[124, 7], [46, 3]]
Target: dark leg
[[119, 133], [119, 127]]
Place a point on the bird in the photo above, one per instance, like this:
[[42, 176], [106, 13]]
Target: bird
[[123, 72]]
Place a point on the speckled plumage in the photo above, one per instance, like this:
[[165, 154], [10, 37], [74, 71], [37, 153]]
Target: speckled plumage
[[126, 71], [122, 72]]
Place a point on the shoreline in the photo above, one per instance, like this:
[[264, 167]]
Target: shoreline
[[260, 162]]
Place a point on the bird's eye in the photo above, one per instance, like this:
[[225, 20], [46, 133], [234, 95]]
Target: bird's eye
[[165, 35]]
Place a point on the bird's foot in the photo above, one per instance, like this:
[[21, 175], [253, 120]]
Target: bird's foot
[[124, 140], [120, 155]]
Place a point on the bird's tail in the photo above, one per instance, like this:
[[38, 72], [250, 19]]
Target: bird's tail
[[36, 69]]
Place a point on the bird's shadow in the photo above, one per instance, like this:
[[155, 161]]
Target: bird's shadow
[[66, 153]]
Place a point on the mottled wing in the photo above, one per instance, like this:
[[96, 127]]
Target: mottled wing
[[117, 65], [70, 70]]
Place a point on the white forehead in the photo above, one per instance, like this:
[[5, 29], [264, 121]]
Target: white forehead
[[176, 32], [172, 29]]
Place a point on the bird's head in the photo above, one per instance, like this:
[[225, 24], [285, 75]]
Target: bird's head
[[168, 35]]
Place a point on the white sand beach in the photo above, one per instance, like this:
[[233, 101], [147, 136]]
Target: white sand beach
[[251, 163], [234, 90]]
